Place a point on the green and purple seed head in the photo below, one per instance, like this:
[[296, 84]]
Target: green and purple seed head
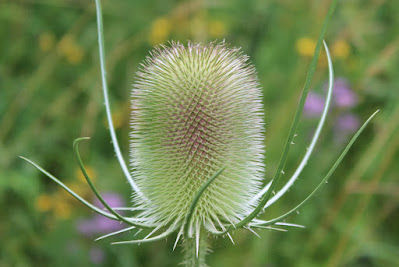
[[197, 109]]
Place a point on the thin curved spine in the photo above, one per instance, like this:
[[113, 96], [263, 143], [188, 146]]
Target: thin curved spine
[[52, 177], [298, 113], [194, 203], [147, 240], [316, 135], [115, 233], [325, 179], [107, 105], [94, 189]]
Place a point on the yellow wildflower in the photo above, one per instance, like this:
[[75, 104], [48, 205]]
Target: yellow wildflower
[[44, 203], [65, 44], [78, 187], [340, 49], [90, 171], [62, 209], [217, 29], [118, 118], [160, 31], [305, 46], [75, 56], [71, 50], [46, 41]]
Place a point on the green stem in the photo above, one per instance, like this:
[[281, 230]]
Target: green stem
[[192, 258], [107, 104]]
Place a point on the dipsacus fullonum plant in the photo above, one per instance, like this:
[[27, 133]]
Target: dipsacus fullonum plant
[[197, 146]]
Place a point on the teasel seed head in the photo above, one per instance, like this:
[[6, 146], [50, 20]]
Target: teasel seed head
[[196, 109]]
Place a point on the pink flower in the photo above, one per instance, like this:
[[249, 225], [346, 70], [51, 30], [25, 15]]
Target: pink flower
[[314, 105], [344, 97], [345, 125]]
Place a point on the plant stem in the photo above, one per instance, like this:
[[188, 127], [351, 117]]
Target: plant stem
[[192, 258], [101, 49]]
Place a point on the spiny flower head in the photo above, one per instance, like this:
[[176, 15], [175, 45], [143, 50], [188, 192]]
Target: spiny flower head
[[196, 109]]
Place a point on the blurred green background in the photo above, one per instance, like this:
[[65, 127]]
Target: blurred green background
[[50, 94]]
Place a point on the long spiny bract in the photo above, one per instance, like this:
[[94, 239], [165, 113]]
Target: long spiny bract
[[197, 109]]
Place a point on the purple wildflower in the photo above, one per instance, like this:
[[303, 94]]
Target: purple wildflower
[[314, 105], [345, 125], [101, 224], [344, 97]]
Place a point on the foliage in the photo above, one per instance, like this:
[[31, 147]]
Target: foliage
[[50, 94]]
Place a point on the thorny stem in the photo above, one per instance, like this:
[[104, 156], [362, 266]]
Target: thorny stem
[[195, 256]]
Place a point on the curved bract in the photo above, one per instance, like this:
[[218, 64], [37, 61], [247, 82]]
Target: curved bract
[[197, 109]]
